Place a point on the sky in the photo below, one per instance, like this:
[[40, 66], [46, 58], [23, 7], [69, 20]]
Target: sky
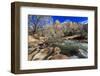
[[69, 18], [61, 19]]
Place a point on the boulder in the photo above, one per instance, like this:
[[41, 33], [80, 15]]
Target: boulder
[[58, 56], [57, 50], [36, 36], [41, 54], [32, 54], [32, 39]]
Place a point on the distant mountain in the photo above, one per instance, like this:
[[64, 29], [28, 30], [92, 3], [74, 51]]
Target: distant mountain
[[68, 21], [71, 24]]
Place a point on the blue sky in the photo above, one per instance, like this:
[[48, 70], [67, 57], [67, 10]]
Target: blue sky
[[69, 18]]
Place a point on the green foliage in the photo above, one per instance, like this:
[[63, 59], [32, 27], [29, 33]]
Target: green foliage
[[83, 34]]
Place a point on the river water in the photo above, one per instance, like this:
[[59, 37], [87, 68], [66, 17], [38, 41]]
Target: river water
[[76, 48]]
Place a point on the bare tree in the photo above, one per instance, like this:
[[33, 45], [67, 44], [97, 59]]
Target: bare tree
[[38, 21]]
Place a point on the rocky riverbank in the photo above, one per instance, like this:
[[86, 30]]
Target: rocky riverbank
[[39, 49]]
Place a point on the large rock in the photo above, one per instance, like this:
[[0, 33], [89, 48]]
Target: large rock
[[32, 53], [41, 54], [58, 56], [57, 50], [36, 36], [32, 39]]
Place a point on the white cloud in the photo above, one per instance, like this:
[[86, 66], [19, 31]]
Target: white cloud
[[84, 22]]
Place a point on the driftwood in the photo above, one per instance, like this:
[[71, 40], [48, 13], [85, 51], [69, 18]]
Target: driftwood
[[72, 37]]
